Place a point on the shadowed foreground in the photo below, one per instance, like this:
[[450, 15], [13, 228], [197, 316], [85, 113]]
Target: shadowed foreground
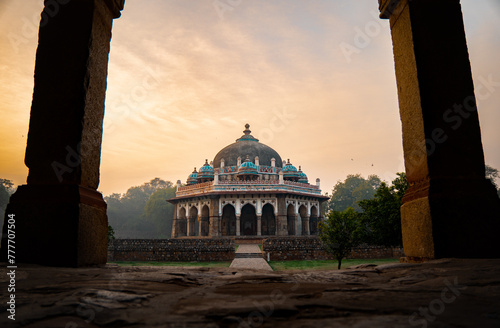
[[463, 293]]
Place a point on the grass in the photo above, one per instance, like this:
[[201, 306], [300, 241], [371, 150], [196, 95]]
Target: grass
[[324, 264], [260, 246], [183, 264], [236, 248]]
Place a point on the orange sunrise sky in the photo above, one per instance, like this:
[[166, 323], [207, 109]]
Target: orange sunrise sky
[[184, 78]]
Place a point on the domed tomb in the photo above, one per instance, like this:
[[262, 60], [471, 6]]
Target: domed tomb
[[245, 146]]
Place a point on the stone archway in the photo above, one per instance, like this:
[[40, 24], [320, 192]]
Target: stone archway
[[182, 222], [59, 212], [302, 221], [248, 221], [204, 221], [291, 220], [268, 220], [228, 220], [313, 221], [193, 228]]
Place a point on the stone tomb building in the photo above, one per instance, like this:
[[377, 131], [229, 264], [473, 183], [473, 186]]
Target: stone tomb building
[[247, 190]]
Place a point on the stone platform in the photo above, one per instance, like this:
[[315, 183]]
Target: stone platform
[[444, 293]]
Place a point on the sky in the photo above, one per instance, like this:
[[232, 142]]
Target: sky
[[185, 76]]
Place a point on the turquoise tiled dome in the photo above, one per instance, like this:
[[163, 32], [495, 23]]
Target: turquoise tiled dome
[[248, 168], [193, 177], [302, 176], [206, 172], [290, 172]]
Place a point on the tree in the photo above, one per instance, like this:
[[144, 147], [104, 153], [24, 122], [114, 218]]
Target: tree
[[381, 217], [160, 213], [492, 174], [111, 234], [354, 189], [6, 189], [126, 213], [339, 233]]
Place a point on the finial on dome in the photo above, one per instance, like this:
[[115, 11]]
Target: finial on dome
[[288, 161], [206, 161], [248, 157], [194, 170], [247, 131]]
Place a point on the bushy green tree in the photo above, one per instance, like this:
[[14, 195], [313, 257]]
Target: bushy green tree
[[354, 189], [159, 212], [339, 233], [381, 217], [126, 213]]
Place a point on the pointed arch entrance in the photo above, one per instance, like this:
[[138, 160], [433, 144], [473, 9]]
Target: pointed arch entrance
[[268, 220], [248, 221], [228, 222]]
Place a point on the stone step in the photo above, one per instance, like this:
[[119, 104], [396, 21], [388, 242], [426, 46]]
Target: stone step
[[248, 255]]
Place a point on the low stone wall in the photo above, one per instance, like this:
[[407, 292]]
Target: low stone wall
[[310, 248], [171, 250]]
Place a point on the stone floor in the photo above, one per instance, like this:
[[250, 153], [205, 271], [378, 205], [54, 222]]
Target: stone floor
[[444, 293], [254, 261]]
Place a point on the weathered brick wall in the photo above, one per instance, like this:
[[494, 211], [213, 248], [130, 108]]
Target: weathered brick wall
[[171, 250], [310, 248]]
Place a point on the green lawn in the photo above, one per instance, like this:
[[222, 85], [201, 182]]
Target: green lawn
[[184, 264], [324, 264]]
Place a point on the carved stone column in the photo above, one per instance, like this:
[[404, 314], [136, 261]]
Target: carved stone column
[[450, 209], [175, 224], [60, 217], [259, 225], [215, 226], [305, 226], [237, 225], [281, 219], [200, 226]]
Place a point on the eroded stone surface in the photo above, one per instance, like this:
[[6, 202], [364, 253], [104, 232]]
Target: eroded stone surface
[[463, 293]]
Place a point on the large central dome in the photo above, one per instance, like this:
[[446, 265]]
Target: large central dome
[[247, 145]]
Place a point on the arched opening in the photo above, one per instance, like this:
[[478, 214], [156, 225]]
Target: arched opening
[[182, 222], [268, 220], [290, 220], [248, 221], [228, 221], [301, 220], [193, 217], [313, 221], [205, 221]]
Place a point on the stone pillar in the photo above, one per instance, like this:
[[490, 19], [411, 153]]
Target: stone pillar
[[175, 224], [305, 225], [259, 225], [60, 217], [189, 227], [200, 226], [237, 225], [281, 220], [450, 209], [298, 226], [215, 227]]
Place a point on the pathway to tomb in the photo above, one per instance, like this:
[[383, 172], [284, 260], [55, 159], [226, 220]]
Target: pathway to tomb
[[249, 256]]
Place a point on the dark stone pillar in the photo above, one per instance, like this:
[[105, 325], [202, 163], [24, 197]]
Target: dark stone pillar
[[60, 217], [450, 209], [281, 219], [215, 227]]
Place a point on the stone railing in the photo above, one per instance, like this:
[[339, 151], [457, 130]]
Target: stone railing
[[171, 250], [311, 248], [246, 185]]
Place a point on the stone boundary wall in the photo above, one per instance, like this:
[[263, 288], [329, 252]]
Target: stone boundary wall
[[171, 250], [310, 248]]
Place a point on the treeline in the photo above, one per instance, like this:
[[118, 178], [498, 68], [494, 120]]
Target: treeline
[[143, 211], [371, 207]]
